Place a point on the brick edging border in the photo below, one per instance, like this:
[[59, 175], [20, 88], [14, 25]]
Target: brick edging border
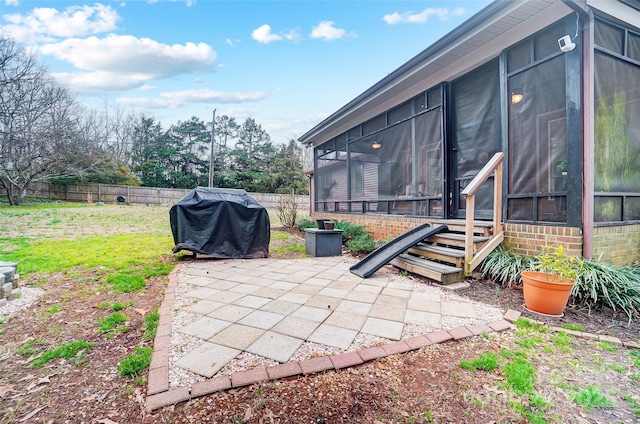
[[160, 395]]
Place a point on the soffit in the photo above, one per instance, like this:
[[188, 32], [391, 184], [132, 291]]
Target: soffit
[[482, 38]]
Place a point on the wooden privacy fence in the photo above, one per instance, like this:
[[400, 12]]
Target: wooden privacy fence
[[132, 195]]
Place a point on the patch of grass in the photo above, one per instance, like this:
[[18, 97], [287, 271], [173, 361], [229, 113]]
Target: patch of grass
[[528, 342], [293, 248], [73, 351], [280, 236], [53, 309], [151, 322], [609, 347], [127, 283], [635, 357], [534, 411], [28, 348], [572, 327], [112, 322], [562, 341], [135, 363], [519, 353], [149, 254], [618, 368], [520, 376], [487, 362], [591, 397], [525, 324], [116, 306], [633, 404]]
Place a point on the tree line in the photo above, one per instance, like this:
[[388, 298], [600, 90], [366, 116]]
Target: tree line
[[46, 135]]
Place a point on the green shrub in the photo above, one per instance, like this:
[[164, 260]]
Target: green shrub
[[306, 223], [597, 284], [136, 362], [617, 287], [351, 231], [505, 267], [362, 243]]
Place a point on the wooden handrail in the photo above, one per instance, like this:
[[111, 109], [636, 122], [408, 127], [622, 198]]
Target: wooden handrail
[[472, 259]]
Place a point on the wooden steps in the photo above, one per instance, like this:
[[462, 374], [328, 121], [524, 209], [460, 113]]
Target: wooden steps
[[441, 257]]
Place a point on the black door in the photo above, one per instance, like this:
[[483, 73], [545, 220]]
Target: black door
[[475, 136]]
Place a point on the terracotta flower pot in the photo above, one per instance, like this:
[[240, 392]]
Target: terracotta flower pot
[[546, 293], [328, 225]]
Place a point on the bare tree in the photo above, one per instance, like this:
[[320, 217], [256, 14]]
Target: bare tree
[[40, 135]]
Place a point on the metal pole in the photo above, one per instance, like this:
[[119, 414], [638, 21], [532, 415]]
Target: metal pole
[[212, 156]]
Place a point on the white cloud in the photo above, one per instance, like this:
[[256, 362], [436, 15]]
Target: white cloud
[[125, 54], [174, 99], [123, 62], [263, 35], [11, 2], [46, 24], [422, 17], [328, 31]]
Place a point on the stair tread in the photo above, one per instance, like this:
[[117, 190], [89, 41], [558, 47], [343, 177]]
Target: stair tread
[[454, 253], [425, 263], [455, 236]]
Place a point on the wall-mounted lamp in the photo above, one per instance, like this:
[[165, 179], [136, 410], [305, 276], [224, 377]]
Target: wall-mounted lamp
[[376, 145], [516, 98]]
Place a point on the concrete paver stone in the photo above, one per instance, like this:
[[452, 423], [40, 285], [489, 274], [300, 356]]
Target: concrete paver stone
[[356, 308], [207, 359], [423, 318], [314, 314], [254, 302], [204, 328], [333, 336], [278, 347], [323, 302], [280, 306], [296, 327], [203, 307], [261, 319], [237, 336], [346, 320], [202, 292], [383, 328], [230, 313], [387, 312]]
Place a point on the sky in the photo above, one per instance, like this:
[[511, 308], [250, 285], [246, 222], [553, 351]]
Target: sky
[[288, 64]]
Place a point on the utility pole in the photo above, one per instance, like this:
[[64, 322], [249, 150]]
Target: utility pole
[[212, 156]]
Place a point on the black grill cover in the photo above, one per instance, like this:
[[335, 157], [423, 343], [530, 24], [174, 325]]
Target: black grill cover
[[222, 223]]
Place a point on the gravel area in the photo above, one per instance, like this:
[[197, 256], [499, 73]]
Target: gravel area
[[28, 295], [180, 343]]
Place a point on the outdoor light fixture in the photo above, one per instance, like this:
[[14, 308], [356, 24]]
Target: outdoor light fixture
[[516, 98], [376, 145]]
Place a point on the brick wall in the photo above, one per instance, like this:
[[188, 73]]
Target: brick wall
[[619, 245], [521, 239], [525, 239], [381, 226]]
